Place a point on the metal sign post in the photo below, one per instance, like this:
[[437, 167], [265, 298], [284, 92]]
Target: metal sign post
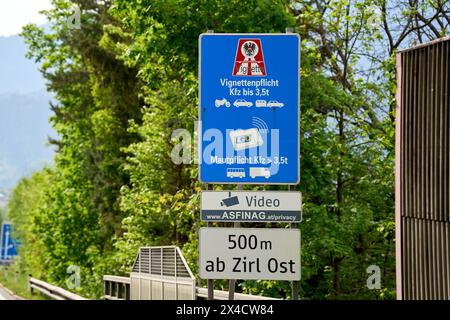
[[295, 283], [232, 282], [210, 281]]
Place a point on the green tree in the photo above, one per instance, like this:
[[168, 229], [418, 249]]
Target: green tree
[[1, 216], [23, 209], [96, 95]]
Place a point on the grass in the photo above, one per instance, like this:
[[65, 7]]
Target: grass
[[18, 284]]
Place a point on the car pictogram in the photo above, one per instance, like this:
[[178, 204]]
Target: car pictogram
[[274, 103], [242, 103]]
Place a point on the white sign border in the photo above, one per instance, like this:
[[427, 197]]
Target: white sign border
[[200, 136], [249, 229], [253, 191]]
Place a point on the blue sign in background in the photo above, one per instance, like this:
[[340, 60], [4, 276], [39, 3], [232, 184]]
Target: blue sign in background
[[217, 61], [8, 248]]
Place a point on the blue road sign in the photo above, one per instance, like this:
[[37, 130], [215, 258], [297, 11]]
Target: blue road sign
[[249, 108], [8, 248]]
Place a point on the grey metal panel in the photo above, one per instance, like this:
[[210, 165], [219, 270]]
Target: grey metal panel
[[159, 270], [157, 290], [145, 289], [134, 288], [170, 291], [423, 172], [184, 292]]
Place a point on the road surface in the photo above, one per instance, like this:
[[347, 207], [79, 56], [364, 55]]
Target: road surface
[[4, 295]]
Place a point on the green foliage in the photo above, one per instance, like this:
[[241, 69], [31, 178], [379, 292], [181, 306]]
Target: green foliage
[[97, 96], [23, 211]]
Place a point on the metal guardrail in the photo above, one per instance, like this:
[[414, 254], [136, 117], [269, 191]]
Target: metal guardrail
[[52, 291], [116, 288], [162, 273], [223, 295]]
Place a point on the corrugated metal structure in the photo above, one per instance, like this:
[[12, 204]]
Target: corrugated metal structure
[[422, 172], [161, 273]]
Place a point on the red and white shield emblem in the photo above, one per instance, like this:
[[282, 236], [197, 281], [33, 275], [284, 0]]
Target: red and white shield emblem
[[249, 58]]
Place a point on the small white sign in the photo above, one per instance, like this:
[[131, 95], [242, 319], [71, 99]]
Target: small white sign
[[255, 206], [249, 254]]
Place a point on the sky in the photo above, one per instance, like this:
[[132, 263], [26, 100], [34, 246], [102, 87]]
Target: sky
[[14, 14]]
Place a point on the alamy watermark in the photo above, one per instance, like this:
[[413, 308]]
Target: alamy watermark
[[74, 280], [233, 147], [74, 20], [374, 280]]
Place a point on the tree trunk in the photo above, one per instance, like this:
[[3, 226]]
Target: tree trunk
[[336, 280], [339, 202]]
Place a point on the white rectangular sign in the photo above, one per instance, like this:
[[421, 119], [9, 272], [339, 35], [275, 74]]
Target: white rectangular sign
[[249, 254], [255, 206]]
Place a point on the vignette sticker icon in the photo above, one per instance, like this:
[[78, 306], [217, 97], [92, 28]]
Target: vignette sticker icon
[[249, 59], [246, 139]]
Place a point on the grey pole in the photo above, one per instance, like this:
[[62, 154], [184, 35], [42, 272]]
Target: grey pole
[[295, 284], [210, 281], [232, 282]]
